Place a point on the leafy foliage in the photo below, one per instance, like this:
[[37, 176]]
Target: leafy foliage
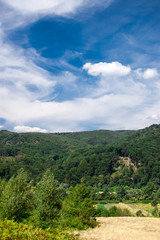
[[97, 158], [48, 202], [36, 152], [16, 198], [111, 212], [10, 230], [78, 208]]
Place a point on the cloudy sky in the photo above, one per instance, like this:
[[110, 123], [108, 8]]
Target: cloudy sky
[[75, 65]]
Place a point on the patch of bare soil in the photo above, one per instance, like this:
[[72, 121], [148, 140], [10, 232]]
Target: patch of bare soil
[[124, 228]]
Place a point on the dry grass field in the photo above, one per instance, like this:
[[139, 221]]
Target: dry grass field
[[124, 228]]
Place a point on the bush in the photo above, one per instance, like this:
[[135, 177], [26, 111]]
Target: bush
[[154, 202], [139, 213], [10, 230], [100, 212], [112, 212], [155, 212]]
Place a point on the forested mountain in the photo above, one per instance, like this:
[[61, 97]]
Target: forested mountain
[[130, 158], [36, 152]]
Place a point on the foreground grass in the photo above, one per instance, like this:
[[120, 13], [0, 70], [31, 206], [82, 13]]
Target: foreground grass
[[10, 230]]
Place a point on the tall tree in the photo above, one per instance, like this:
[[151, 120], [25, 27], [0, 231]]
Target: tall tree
[[47, 200], [78, 207], [16, 198]]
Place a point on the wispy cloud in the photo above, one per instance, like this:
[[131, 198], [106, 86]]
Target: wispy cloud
[[59, 7], [19, 71], [107, 94], [25, 12], [120, 104]]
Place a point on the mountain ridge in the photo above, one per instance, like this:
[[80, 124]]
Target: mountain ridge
[[92, 157]]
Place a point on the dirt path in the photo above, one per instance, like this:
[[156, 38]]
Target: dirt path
[[124, 228]]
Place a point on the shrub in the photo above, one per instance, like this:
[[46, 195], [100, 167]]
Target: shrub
[[155, 212], [112, 212], [154, 202], [100, 212], [10, 230], [125, 212], [139, 213]]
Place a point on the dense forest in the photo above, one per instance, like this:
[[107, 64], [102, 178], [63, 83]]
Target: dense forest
[[97, 158], [51, 183], [100, 159], [35, 152]]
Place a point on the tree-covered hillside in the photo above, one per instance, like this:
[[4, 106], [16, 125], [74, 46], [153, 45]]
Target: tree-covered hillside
[[35, 152], [130, 158]]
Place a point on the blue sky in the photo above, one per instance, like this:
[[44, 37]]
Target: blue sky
[[79, 65]]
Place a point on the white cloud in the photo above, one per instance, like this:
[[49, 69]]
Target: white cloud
[[107, 69], [53, 7], [111, 109], [45, 6], [18, 13], [29, 129], [112, 103], [155, 116], [20, 74], [150, 73], [1, 126]]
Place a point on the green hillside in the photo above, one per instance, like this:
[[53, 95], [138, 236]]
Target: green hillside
[[36, 152], [129, 158], [134, 161]]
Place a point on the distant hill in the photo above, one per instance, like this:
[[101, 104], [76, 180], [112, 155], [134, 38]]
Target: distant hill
[[129, 158], [72, 140]]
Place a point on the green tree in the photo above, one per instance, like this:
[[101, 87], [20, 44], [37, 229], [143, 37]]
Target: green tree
[[121, 192], [148, 190], [48, 200], [16, 200], [78, 207], [155, 212], [2, 186]]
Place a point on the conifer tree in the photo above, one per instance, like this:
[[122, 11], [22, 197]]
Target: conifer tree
[[16, 199], [47, 200]]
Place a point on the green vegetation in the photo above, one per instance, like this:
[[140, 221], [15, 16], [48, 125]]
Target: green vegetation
[[36, 152], [113, 211], [78, 208], [43, 209], [10, 230], [85, 168], [97, 158], [16, 198], [48, 201]]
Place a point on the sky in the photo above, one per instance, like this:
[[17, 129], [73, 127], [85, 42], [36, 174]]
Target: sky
[[79, 65]]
